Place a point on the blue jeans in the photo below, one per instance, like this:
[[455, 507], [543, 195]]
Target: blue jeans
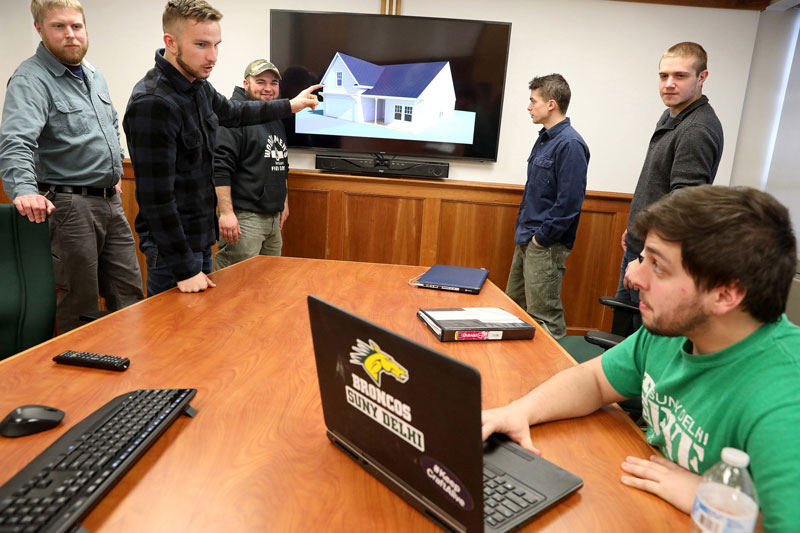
[[160, 277], [628, 295]]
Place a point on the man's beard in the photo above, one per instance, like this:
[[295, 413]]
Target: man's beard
[[257, 96], [201, 75], [71, 56], [681, 325]]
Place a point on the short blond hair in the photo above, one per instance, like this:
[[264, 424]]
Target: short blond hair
[[179, 10], [40, 8], [689, 49]]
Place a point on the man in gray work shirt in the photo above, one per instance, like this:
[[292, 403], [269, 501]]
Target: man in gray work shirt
[[684, 150], [60, 156]]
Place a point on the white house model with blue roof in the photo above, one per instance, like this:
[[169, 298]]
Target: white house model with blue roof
[[410, 96]]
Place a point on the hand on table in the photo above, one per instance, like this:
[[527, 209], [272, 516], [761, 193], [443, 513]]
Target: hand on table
[[197, 283], [662, 477]]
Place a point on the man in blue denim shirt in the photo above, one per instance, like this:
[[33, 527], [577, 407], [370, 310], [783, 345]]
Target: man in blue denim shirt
[[60, 137], [551, 206]]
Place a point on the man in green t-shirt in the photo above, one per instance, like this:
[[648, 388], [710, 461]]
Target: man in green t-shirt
[[717, 363]]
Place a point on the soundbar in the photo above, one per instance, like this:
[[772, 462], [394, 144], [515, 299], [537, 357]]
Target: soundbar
[[381, 164]]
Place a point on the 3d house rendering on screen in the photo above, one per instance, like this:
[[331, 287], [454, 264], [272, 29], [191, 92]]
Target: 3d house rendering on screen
[[408, 97]]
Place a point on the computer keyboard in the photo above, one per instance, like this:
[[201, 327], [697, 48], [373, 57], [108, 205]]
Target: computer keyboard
[[504, 499], [60, 486]]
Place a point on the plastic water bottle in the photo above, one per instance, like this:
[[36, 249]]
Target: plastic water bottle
[[726, 500]]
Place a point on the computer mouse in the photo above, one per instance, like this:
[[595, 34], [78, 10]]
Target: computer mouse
[[30, 419]]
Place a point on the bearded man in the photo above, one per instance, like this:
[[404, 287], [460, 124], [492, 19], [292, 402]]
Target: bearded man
[[61, 161], [251, 168]]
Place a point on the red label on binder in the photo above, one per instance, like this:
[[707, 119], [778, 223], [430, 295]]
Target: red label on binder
[[472, 335]]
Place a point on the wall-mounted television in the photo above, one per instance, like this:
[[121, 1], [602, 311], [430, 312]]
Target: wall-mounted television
[[400, 85]]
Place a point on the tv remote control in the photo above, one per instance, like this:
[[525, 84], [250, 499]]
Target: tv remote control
[[93, 360]]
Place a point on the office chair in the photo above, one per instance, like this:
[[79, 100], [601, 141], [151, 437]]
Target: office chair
[[622, 325], [594, 343], [28, 307]]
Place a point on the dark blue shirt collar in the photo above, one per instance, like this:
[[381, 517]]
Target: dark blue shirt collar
[[554, 130], [76, 70]]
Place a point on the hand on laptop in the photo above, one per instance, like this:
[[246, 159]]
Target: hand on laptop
[[662, 477], [511, 420]]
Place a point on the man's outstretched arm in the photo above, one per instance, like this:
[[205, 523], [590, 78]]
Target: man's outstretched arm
[[574, 392]]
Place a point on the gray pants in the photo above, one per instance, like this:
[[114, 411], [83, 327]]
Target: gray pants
[[534, 283], [93, 253], [261, 235]]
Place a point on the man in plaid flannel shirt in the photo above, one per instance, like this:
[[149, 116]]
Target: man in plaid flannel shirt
[[170, 125]]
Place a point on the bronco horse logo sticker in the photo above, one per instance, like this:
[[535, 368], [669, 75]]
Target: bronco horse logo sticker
[[377, 362]]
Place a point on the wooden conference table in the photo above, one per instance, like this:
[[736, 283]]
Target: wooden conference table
[[255, 458]]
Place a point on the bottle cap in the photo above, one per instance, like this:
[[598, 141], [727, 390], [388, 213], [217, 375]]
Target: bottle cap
[[735, 457]]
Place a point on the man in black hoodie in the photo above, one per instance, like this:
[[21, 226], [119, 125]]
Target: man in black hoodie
[[250, 170]]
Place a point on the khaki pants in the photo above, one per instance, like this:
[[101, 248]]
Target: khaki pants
[[261, 235], [534, 283]]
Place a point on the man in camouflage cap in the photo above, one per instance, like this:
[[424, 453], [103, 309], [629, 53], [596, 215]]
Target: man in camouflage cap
[[250, 171]]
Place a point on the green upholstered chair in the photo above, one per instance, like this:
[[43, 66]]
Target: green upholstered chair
[[579, 348], [28, 294]]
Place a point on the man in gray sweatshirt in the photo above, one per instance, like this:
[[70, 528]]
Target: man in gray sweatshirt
[[684, 150]]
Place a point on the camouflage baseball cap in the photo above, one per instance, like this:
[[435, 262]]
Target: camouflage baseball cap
[[260, 65]]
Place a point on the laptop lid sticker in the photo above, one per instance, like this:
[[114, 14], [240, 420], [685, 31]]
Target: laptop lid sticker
[[368, 397], [447, 482], [375, 362]]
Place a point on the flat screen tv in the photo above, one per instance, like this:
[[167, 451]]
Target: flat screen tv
[[411, 86]]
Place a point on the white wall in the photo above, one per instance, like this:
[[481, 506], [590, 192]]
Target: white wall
[[766, 88], [782, 179], [609, 53], [607, 50], [767, 157]]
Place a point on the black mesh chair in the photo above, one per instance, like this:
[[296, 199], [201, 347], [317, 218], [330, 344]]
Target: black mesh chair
[[622, 324]]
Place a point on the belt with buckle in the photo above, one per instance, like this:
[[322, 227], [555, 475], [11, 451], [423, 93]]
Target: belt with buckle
[[84, 191]]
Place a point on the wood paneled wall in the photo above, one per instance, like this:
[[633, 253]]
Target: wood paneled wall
[[423, 222]]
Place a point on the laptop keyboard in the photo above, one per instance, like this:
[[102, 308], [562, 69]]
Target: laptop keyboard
[[504, 498]]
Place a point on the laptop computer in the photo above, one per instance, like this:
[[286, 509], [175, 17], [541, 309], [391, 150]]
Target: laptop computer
[[411, 417], [453, 278]]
